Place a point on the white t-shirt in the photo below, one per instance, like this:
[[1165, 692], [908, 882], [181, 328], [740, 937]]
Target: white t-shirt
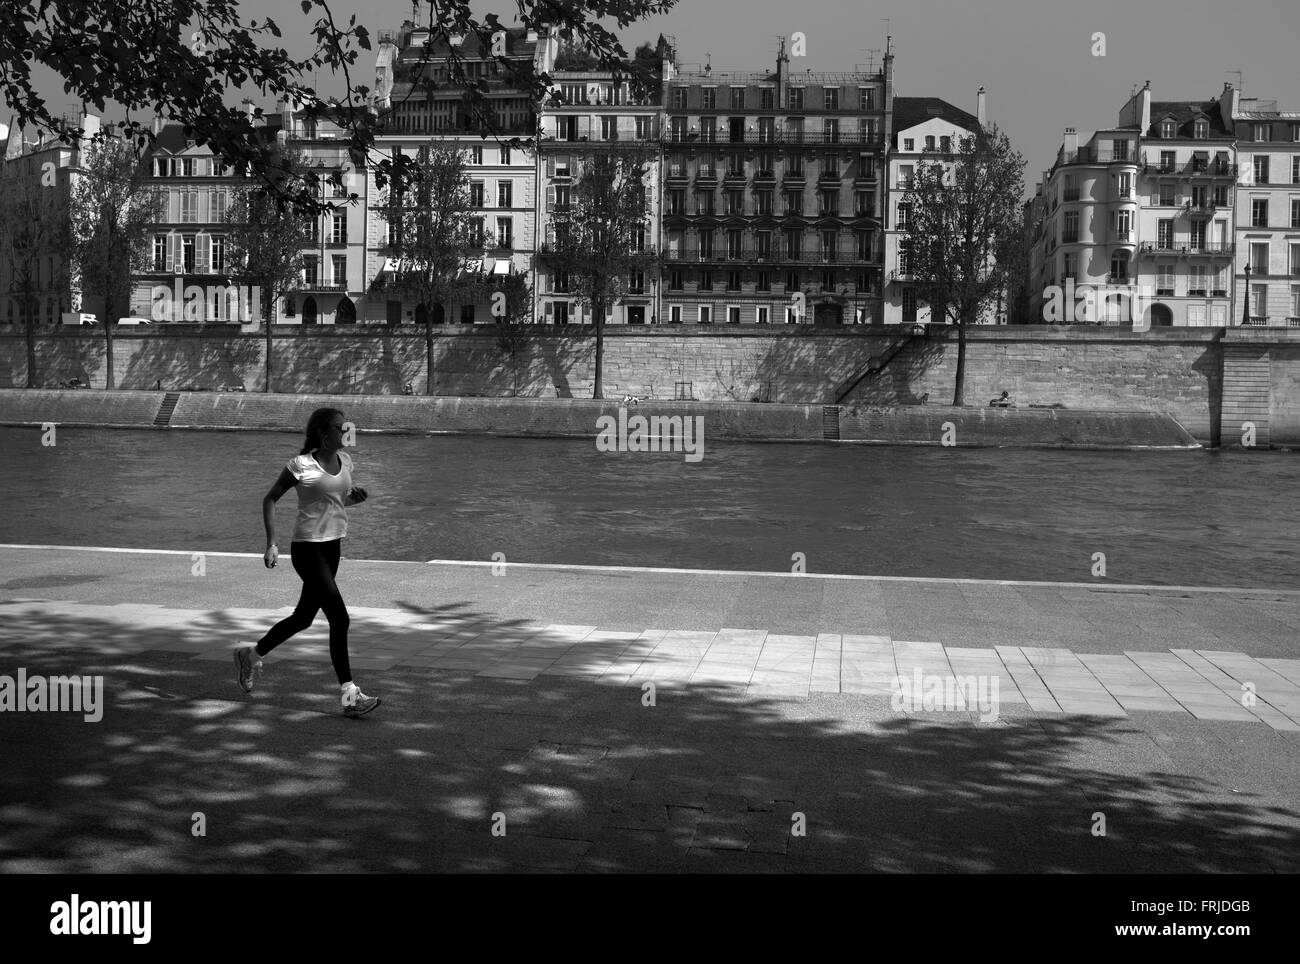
[[322, 516]]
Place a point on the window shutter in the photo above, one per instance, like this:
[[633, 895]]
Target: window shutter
[[550, 198], [550, 166], [175, 261], [201, 259], [550, 308]]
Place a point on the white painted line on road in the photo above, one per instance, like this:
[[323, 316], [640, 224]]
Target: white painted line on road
[[745, 573]]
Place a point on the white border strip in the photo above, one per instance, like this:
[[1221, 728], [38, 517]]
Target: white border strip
[[746, 573]]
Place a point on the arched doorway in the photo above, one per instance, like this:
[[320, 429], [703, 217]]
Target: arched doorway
[[309, 313], [421, 314], [347, 312], [439, 314], [1161, 316]]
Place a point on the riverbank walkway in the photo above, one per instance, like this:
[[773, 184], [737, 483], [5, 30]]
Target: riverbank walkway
[[622, 719]]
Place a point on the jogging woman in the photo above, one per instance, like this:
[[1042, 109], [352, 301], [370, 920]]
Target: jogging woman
[[322, 474]]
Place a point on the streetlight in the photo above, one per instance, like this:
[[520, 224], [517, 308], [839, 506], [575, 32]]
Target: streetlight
[[1245, 311]]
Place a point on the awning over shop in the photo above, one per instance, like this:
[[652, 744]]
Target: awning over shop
[[501, 267]]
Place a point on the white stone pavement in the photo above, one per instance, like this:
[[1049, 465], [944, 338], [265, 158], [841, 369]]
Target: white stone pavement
[[1209, 685]]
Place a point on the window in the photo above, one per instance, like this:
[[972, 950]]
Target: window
[[708, 129], [505, 233], [1295, 259], [929, 142], [310, 271], [676, 280], [1166, 195], [505, 159], [733, 245], [709, 98], [1259, 300], [1165, 234], [794, 202], [187, 251], [909, 305], [1259, 257], [906, 176], [945, 144], [1221, 196], [1261, 170], [863, 240], [217, 253], [905, 214], [830, 203], [1263, 132], [1119, 266], [796, 98], [560, 312], [738, 98], [636, 282], [905, 256], [676, 201], [793, 243], [217, 201], [864, 204], [1196, 284], [792, 280], [476, 194], [1221, 280], [706, 244], [643, 131], [1201, 129], [1070, 190], [505, 192], [828, 279], [767, 99], [866, 98], [563, 197], [1200, 196], [1259, 213], [160, 252], [339, 266], [704, 315], [467, 314], [909, 144], [189, 206], [1197, 235], [763, 244], [763, 201], [1167, 129], [828, 245], [733, 314], [339, 228], [706, 281], [679, 98], [477, 230], [1167, 161], [1125, 183], [704, 202], [1119, 150], [609, 128], [1070, 228], [1068, 265], [831, 131], [1295, 170], [674, 314], [762, 312], [763, 281], [1295, 213], [476, 155]]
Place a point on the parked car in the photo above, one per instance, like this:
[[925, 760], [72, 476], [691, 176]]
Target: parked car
[[134, 321], [78, 318]]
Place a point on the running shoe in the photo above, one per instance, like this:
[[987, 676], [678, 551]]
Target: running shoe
[[361, 705], [246, 667]]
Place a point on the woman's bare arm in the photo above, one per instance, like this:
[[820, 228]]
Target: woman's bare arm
[[283, 484]]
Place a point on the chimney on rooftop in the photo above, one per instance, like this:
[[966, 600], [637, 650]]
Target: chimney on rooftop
[[981, 106], [1071, 142]]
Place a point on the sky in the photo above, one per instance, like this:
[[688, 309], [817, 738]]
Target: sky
[[1035, 57]]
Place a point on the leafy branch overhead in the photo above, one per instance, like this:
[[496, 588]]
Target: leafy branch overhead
[[183, 59]]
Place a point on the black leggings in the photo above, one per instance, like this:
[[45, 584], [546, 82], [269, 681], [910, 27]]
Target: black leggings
[[317, 563]]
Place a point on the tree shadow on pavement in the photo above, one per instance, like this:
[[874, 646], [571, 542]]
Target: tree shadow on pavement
[[582, 775]]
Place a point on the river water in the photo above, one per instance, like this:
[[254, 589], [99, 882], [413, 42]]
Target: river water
[[1176, 518]]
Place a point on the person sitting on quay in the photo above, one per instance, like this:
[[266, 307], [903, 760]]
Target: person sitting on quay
[[1004, 401]]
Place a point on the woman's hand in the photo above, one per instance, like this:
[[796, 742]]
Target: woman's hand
[[356, 496], [272, 554]]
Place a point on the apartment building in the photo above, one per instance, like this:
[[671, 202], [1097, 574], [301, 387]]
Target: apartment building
[[925, 130], [1144, 208], [44, 279], [1267, 211], [598, 113], [771, 190], [503, 180]]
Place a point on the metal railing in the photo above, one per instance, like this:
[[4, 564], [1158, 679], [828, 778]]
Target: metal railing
[[777, 138], [1183, 246]]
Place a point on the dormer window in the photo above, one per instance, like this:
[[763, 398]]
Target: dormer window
[[1167, 129], [1201, 129]]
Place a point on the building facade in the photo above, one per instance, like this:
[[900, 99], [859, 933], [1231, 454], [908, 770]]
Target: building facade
[[926, 130], [1267, 211], [771, 205]]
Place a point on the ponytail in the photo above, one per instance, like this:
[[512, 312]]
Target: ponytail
[[316, 427]]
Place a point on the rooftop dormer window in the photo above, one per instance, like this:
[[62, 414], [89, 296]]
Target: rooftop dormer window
[[1167, 129], [1201, 129]]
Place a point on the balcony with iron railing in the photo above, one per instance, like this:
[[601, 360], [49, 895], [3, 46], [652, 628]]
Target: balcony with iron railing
[[1184, 247], [723, 138], [1088, 155], [776, 254]]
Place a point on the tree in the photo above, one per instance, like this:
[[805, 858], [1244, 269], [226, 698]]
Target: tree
[[184, 58], [600, 236], [431, 233], [111, 209], [32, 226], [512, 308], [266, 245], [961, 210]]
